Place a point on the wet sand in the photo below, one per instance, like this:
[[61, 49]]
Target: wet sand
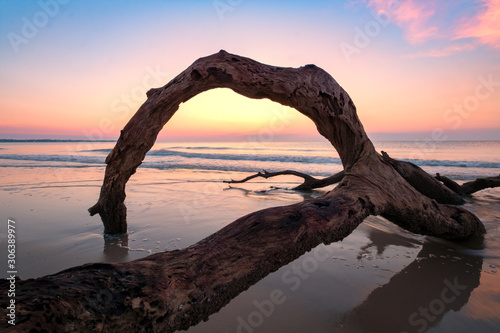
[[379, 279]]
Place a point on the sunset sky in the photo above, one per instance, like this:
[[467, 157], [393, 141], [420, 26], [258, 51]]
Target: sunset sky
[[416, 69]]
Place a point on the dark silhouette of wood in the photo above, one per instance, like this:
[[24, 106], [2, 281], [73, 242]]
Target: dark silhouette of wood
[[471, 187], [451, 184], [441, 188], [170, 291], [309, 183], [423, 182]]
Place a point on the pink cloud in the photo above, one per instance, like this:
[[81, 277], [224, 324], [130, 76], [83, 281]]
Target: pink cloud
[[411, 15], [424, 20], [485, 26]]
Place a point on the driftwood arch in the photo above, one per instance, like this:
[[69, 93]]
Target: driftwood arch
[[169, 291], [308, 89], [314, 93]]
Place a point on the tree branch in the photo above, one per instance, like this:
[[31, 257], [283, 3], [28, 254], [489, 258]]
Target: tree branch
[[481, 184], [470, 187], [423, 182], [309, 183]]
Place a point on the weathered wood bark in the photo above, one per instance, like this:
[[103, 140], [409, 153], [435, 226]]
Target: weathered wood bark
[[309, 183], [470, 187], [423, 182], [450, 193], [173, 290], [308, 89]]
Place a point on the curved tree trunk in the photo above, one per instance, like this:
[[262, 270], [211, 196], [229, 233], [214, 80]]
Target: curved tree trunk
[[174, 290], [309, 89]]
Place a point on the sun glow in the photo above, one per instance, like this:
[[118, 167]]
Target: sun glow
[[223, 113]]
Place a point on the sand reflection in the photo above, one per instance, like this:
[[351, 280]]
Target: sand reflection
[[417, 298]]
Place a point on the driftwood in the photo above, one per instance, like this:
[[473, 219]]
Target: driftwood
[[471, 187], [169, 291], [309, 183], [432, 187]]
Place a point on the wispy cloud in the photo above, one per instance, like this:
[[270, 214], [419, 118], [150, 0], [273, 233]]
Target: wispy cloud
[[411, 15], [476, 24], [485, 26]]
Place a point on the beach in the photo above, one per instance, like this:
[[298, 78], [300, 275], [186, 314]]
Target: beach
[[379, 276]]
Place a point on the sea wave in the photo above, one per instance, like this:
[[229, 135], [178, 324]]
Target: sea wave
[[450, 163], [250, 157], [50, 140], [168, 158], [55, 158]]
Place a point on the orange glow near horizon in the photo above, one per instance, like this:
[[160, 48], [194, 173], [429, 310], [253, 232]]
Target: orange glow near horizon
[[222, 112], [225, 114], [74, 81]]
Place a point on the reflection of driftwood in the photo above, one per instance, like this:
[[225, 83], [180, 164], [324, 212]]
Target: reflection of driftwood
[[472, 186], [174, 290], [308, 184], [418, 297]]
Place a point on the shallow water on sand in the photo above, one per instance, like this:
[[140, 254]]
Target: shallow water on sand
[[378, 279]]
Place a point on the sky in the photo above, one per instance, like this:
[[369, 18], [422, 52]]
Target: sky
[[415, 69]]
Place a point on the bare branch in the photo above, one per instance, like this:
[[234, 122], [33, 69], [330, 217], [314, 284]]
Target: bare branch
[[309, 183], [481, 184], [451, 184], [470, 187]]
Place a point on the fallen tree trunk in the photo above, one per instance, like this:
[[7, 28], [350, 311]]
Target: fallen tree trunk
[[174, 290], [170, 291]]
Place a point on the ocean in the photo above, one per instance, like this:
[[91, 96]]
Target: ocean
[[380, 276], [460, 160]]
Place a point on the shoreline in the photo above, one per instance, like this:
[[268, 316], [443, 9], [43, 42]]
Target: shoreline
[[175, 209]]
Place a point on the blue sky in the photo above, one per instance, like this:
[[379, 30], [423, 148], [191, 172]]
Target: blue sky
[[407, 64]]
